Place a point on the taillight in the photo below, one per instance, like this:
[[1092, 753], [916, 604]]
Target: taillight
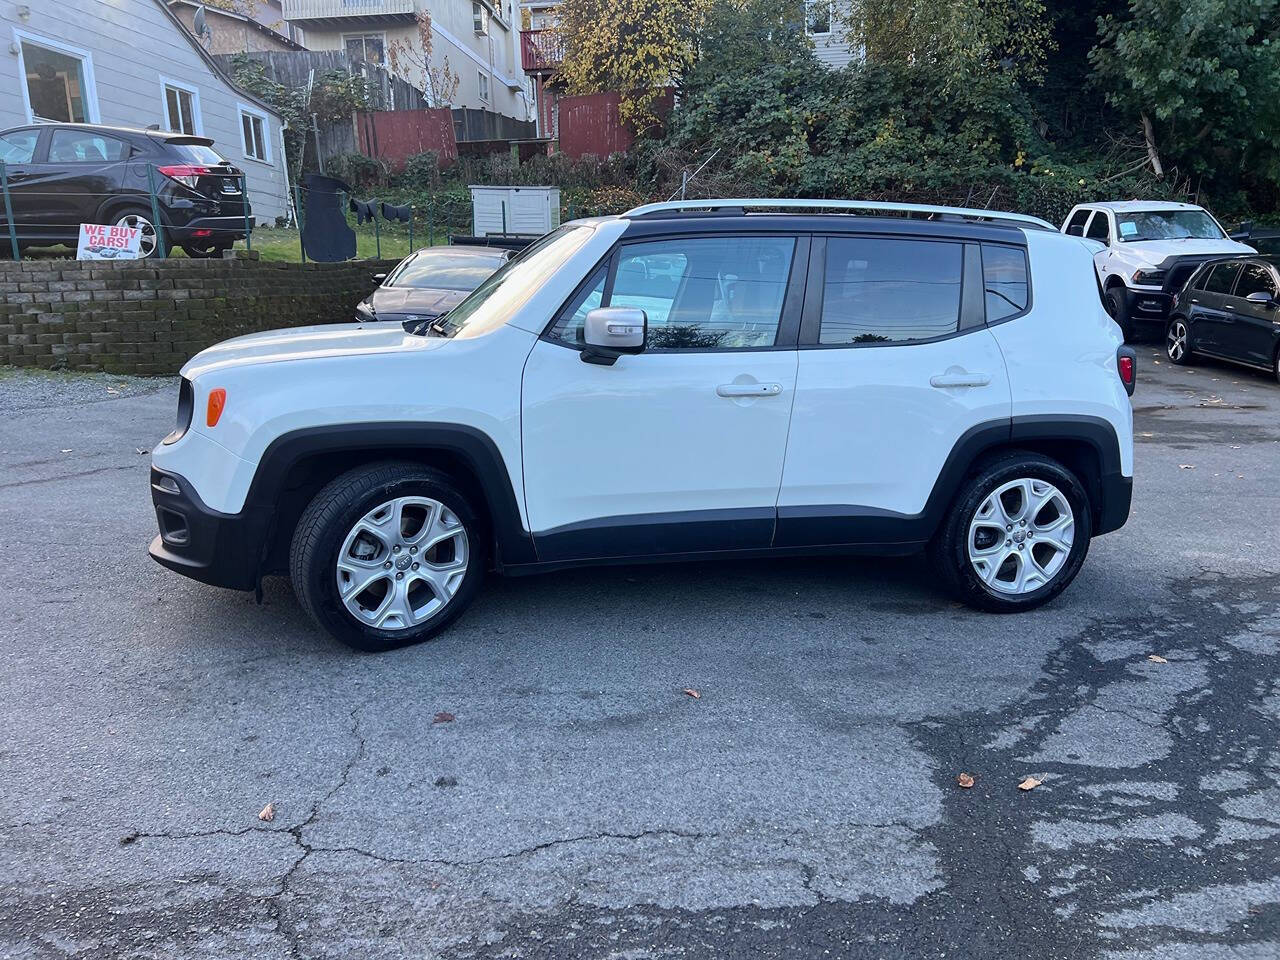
[[1127, 367], [217, 402], [187, 174]]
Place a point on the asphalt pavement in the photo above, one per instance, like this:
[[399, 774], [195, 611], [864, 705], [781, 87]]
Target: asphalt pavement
[[535, 783]]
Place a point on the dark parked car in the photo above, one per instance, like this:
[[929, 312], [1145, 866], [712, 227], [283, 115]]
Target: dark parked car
[[64, 174], [430, 282], [1229, 309]]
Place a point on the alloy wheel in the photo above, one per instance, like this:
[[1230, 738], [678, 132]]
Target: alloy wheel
[[1176, 341], [402, 562], [1021, 535], [147, 237]]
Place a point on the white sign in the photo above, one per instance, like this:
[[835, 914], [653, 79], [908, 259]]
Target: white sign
[[101, 242]]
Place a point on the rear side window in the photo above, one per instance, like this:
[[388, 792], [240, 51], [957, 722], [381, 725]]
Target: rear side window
[[887, 291], [1256, 278], [1004, 281], [18, 146], [1076, 223], [77, 146], [1222, 278]]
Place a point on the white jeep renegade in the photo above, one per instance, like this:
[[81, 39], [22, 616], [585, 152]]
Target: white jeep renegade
[[682, 381], [1145, 251]]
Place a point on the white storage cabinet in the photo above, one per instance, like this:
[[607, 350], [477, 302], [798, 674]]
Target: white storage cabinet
[[529, 211]]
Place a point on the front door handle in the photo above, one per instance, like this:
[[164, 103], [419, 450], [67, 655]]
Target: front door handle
[[959, 380], [748, 389]]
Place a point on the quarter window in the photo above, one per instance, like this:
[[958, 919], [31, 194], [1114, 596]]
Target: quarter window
[[1004, 281], [886, 291], [1222, 278], [698, 293], [1256, 278], [72, 146], [18, 146]]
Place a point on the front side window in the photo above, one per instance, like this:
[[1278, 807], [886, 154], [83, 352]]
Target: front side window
[[58, 86], [1167, 225], [1099, 227], [369, 47], [74, 146], [1222, 278], [1256, 278], [1004, 281], [253, 132], [886, 291], [180, 109], [698, 293], [817, 17], [18, 146]]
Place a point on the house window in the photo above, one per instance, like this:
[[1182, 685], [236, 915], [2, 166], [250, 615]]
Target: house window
[[484, 87], [817, 17], [253, 133], [369, 47], [181, 108], [479, 18], [58, 82]]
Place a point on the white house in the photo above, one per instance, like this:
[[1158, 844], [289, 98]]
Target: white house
[[477, 38], [822, 25], [132, 63]]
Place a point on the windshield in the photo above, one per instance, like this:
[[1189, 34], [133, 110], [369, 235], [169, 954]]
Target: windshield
[[1167, 225], [443, 270], [503, 293]]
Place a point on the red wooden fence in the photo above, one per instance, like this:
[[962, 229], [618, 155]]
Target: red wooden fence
[[591, 124], [396, 135]]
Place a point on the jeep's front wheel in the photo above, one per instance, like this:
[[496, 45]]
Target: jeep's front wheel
[[1016, 535], [388, 555]]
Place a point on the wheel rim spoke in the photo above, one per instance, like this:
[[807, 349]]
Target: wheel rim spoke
[[1030, 526]]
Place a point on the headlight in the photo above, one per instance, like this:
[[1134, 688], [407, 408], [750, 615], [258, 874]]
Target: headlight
[[364, 311], [1150, 278], [186, 405]]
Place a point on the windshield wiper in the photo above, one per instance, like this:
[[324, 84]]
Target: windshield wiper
[[420, 328]]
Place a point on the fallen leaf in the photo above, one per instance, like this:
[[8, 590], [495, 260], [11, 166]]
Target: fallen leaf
[[1186, 466], [140, 451], [690, 692], [444, 716], [268, 813], [964, 780], [68, 450], [1156, 658], [1029, 784]]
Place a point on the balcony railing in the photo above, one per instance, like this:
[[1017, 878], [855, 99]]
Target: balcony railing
[[344, 9], [540, 50]]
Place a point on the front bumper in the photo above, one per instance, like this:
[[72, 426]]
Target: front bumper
[[1148, 305], [222, 549], [1116, 499]]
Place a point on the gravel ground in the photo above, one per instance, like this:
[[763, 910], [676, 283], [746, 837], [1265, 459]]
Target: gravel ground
[[41, 389], [576, 803]]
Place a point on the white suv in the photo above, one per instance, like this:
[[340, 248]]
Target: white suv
[[683, 381], [1148, 249]]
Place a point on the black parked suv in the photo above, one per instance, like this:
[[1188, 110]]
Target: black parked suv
[[64, 174], [1229, 309]]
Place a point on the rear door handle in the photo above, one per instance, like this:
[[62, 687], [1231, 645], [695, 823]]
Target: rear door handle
[[959, 380], [748, 389]]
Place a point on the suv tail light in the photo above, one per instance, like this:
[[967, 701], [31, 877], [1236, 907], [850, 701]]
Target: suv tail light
[[187, 174], [1127, 367]]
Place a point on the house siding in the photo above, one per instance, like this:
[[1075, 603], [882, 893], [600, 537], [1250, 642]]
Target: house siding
[[133, 43]]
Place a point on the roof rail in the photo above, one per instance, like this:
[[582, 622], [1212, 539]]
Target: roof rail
[[741, 204]]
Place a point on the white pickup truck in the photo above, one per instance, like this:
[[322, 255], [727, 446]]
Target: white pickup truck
[[1147, 251]]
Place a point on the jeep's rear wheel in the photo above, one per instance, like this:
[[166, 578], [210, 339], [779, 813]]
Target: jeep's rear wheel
[[388, 555], [1016, 535]]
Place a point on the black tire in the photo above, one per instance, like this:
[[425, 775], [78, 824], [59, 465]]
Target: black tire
[[197, 251], [332, 514], [1275, 365], [1117, 306], [949, 549], [1171, 331]]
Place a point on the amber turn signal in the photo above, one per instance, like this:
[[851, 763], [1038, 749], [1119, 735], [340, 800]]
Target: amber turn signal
[[217, 400]]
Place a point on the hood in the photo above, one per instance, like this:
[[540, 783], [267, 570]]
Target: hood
[[1157, 251], [307, 343], [426, 302]]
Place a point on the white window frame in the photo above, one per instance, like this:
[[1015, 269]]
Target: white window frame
[[479, 18], [196, 117], [483, 86], [809, 4], [90, 92], [244, 110], [365, 35]]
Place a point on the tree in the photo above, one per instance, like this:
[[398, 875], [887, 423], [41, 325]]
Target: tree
[[413, 62], [1194, 74], [636, 47]]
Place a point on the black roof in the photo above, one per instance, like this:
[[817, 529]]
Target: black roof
[[683, 223], [154, 134]]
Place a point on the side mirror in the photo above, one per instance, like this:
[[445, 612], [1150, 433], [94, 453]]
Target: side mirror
[[379, 277], [609, 332], [1076, 231], [1243, 231], [1261, 296]]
